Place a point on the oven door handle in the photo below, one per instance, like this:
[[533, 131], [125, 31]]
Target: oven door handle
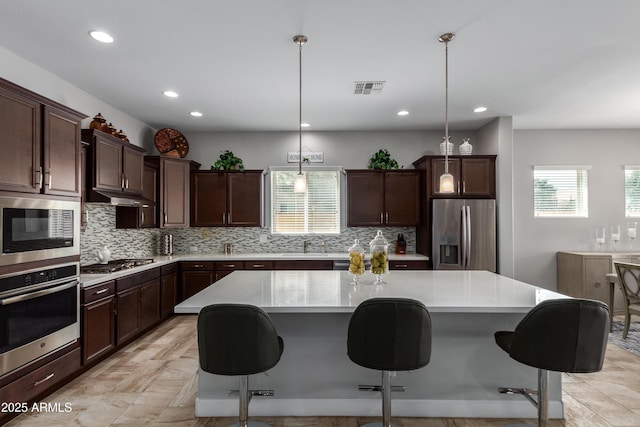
[[36, 294]]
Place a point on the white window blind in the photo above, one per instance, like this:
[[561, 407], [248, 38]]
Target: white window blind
[[560, 191], [632, 191], [317, 211]]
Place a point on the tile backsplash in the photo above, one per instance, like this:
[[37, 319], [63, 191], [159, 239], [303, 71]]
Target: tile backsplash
[[139, 243]]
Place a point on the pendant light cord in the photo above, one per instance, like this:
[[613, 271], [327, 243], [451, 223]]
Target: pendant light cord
[[300, 110], [446, 106]]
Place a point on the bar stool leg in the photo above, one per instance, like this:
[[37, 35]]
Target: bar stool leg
[[243, 417], [386, 398], [244, 395], [385, 389], [543, 397]]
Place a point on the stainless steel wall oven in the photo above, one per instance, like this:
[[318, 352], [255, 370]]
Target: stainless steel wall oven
[[38, 229], [39, 313]]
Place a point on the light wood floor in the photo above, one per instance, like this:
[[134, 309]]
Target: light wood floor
[[153, 382]]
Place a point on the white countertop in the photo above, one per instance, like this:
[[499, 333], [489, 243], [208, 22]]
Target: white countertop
[[332, 291], [93, 279]]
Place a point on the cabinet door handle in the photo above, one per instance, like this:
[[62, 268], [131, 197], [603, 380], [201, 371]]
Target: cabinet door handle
[[197, 266], [141, 216], [257, 266], [381, 220], [38, 177], [101, 291], [166, 218], [386, 217], [228, 218], [86, 215], [44, 380], [400, 266], [223, 218], [464, 186], [47, 179], [229, 266], [122, 181]]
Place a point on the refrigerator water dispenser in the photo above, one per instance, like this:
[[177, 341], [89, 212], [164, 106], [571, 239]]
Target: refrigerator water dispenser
[[448, 253]]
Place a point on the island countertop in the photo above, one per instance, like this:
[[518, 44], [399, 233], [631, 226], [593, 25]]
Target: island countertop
[[333, 291]]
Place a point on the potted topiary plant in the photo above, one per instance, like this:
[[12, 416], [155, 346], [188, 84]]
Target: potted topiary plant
[[228, 161], [382, 160]]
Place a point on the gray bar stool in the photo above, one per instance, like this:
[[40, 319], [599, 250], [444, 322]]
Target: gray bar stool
[[561, 335], [389, 334], [238, 339]]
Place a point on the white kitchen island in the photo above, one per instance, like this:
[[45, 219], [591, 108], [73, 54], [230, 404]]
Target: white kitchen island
[[311, 310]]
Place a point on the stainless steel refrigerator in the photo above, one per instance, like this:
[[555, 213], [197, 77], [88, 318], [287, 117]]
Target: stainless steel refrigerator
[[463, 234]]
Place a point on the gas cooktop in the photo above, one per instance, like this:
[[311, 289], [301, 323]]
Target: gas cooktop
[[114, 265]]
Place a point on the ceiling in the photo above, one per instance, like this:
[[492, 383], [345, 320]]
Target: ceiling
[[549, 64]]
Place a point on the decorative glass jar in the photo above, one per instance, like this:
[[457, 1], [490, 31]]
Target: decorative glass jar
[[379, 248], [356, 261], [465, 148], [446, 148]]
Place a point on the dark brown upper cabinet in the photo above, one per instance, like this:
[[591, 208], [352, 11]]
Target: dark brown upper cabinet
[[383, 198], [40, 142], [474, 176], [173, 190], [233, 198], [113, 165]]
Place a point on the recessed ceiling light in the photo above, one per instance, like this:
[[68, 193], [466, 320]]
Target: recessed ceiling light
[[304, 125], [403, 113], [196, 113], [170, 94], [480, 109], [101, 36]]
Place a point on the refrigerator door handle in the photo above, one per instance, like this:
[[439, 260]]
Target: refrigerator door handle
[[463, 241], [468, 243]]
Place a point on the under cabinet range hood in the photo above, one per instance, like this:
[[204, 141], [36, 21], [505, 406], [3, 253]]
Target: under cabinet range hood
[[118, 198]]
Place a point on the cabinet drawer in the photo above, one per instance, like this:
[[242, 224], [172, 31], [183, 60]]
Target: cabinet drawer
[[197, 265], [37, 382], [97, 292], [136, 279], [258, 265], [408, 265], [229, 265], [168, 269]]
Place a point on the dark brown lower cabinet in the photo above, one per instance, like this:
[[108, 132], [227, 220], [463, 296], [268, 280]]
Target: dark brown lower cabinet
[[168, 289], [138, 303], [98, 320], [127, 325], [149, 304], [195, 281], [195, 276]]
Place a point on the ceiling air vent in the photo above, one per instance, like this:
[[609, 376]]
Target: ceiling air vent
[[367, 88]]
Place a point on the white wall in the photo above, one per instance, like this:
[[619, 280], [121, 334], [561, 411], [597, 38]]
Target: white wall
[[28, 75], [352, 150], [536, 240]]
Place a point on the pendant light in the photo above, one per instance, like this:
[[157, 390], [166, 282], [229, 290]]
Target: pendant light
[[300, 183], [446, 179]]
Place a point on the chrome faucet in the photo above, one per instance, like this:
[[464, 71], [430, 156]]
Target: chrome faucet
[[305, 247]]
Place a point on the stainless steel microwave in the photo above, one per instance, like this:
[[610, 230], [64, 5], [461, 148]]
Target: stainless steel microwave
[[38, 229]]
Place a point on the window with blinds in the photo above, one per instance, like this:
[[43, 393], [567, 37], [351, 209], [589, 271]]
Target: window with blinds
[[632, 191], [561, 191], [317, 211]]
